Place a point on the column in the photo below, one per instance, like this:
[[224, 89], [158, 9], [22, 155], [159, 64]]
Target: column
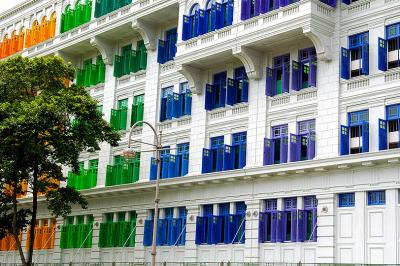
[[57, 252], [190, 245], [140, 254], [326, 228], [95, 250], [251, 245]]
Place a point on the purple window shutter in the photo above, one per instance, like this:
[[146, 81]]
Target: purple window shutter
[[284, 225], [279, 225], [220, 159], [275, 4], [301, 216], [263, 6], [226, 218], [274, 222], [231, 93], [296, 76], [257, 7], [311, 146], [245, 10], [268, 151], [314, 225], [294, 147], [383, 140], [365, 137], [199, 230], [270, 82], [293, 225], [261, 227], [312, 81], [228, 158], [284, 149], [282, 3], [285, 78], [344, 140]]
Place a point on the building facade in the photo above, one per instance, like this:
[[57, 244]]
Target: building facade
[[280, 122]]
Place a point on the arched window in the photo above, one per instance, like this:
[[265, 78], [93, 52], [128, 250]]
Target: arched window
[[193, 9], [209, 4]]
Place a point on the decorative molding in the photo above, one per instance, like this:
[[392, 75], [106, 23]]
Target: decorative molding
[[194, 76], [148, 33], [321, 42], [251, 60], [105, 47]]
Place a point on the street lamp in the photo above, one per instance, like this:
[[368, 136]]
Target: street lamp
[[130, 153]]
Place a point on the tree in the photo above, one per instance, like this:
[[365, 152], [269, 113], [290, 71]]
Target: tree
[[44, 125]]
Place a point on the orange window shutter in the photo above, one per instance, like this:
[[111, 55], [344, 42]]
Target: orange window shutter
[[28, 38], [52, 28], [28, 234], [21, 41]]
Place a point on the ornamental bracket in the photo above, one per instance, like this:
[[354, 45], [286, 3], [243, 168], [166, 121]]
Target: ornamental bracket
[[148, 33], [105, 47], [194, 76], [251, 60]]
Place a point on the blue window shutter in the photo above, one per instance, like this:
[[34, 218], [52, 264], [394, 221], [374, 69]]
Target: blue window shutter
[[274, 223], [226, 220], [220, 159], [245, 90], [169, 106], [382, 54], [257, 7], [275, 4], [153, 168], [365, 59], [185, 164], [284, 225], [344, 140], [296, 76], [206, 161], [216, 229], [213, 18], [268, 151], [188, 103], [283, 3], [279, 225], [195, 19], [199, 230], [186, 28], [312, 78], [301, 219], [293, 224], [148, 233], [383, 139], [242, 155], [176, 105], [219, 18], [228, 160], [311, 146], [161, 56], [173, 226], [284, 149], [229, 18], [164, 166], [262, 222], [347, 2], [201, 22], [345, 64], [209, 105], [231, 93], [222, 98], [270, 86], [295, 145], [245, 9], [264, 4], [160, 232], [163, 109], [285, 78], [314, 225], [172, 169], [365, 137]]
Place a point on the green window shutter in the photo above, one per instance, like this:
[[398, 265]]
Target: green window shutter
[[118, 160], [88, 11], [101, 70], [141, 48], [121, 216], [114, 119], [93, 74], [80, 219], [122, 104], [140, 110], [122, 119], [133, 64], [80, 77], [71, 179], [110, 175], [62, 23], [126, 50], [134, 114], [109, 217], [138, 99], [93, 163], [136, 168], [117, 66], [102, 235]]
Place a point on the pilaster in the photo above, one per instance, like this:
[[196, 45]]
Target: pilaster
[[326, 228], [57, 252], [251, 245], [95, 250], [190, 245]]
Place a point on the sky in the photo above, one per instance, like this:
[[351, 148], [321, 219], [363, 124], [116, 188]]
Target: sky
[[7, 4]]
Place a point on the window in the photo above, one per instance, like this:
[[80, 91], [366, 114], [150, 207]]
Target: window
[[175, 105], [170, 230], [238, 150], [222, 228], [123, 171], [171, 165], [376, 198], [78, 234], [137, 109], [91, 74], [277, 80], [289, 219], [276, 148], [216, 16], [308, 219], [304, 72], [167, 48], [124, 227], [87, 178], [166, 103], [389, 134], [346, 200], [103, 7], [238, 87], [213, 158], [355, 60], [131, 61], [216, 93], [302, 145], [72, 18], [354, 138], [389, 48], [119, 116]]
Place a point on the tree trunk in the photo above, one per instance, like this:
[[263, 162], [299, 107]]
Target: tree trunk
[[14, 224], [34, 214]]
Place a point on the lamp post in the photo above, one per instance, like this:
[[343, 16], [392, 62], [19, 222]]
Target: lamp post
[[130, 153]]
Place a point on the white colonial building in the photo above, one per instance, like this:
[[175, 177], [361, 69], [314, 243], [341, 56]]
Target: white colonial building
[[281, 118]]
